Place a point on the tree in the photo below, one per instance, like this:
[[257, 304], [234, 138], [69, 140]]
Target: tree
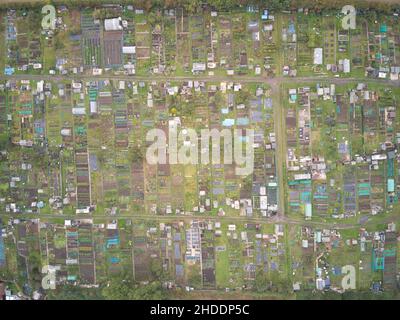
[[69, 292], [58, 43], [125, 288], [194, 277], [102, 157], [156, 269], [136, 154], [34, 18], [261, 284], [151, 291], [4, 141], [118, 289]]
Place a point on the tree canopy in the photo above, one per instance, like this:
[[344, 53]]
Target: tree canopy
[[125, 288]]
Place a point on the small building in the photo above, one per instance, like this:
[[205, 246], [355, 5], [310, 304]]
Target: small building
[[114, 24], [308, 211], [346, 65], [129, 50], [78, 111], [390, 185], [318, 236], [8, 71], [318, 56], [198, 67], [93, 107], [264, 15]]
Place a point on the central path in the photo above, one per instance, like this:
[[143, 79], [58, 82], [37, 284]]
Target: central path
[[150, 78], [280, 135]]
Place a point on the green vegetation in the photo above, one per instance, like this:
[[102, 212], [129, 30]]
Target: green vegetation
[[122, 288], [68, 292], [73, 150]]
